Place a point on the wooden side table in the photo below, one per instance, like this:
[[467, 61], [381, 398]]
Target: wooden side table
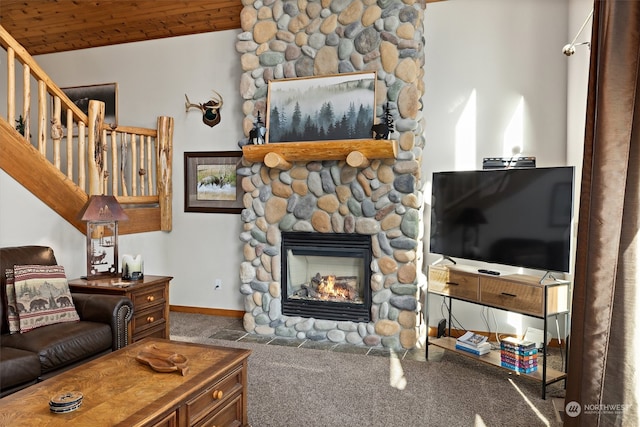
[[150, 298]]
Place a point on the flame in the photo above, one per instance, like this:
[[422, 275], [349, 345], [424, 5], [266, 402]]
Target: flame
[[327, 289]]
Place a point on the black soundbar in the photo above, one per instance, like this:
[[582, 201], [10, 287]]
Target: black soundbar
[[508, 162]]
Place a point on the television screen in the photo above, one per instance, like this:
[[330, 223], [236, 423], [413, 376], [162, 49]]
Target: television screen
[[517, 217]]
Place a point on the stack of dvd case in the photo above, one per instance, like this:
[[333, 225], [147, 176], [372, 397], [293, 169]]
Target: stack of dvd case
[[519, 355]]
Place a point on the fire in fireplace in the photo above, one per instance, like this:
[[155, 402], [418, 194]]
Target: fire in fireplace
[[326, 276], [333, 288]]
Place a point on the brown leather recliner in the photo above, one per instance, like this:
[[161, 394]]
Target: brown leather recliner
[[26, 358]]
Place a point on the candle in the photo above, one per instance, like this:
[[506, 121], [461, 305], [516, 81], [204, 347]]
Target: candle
[[132, 267]]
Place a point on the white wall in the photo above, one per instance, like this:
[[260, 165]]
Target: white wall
[[153, 78], [496, 82], [507, 51], [578, 78]]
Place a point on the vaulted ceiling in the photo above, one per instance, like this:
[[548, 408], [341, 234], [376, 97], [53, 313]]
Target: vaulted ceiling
[[49, 26]]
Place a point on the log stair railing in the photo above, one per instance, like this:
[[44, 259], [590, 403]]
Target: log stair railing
[[64, 163]]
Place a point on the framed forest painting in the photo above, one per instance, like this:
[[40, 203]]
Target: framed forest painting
[[336, 107]]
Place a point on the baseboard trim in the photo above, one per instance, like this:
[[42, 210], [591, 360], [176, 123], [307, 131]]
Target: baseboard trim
[[236, 314]]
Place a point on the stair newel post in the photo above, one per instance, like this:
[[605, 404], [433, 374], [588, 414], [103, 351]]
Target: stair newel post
[[82, 155], [95, 153], [164, 160]]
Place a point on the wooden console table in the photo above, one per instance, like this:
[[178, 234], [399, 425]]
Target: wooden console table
[[118, 390], [150, 298], [515, 293]]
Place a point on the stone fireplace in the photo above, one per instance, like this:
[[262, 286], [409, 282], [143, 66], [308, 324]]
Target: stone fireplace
[[380, 202]]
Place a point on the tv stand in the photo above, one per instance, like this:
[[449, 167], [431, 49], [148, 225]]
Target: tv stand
[[517, 293]]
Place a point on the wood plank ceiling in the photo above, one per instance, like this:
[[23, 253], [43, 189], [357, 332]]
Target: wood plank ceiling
[[50, 26]]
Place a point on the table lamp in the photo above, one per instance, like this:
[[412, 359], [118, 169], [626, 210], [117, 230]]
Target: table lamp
[[102, 214]]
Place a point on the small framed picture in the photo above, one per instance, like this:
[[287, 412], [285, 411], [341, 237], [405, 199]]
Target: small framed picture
[[211, 183], [107, 93]]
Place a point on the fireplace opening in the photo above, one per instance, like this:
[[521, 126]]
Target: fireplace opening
[[326, 276]]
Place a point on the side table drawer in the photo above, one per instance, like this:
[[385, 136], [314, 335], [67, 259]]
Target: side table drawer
[[156, 332], [148, 297], [147, 318], [214, 396], [453, 283], [512, 296]]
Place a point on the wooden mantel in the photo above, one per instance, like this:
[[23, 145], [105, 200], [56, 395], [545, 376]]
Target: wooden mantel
[[357, 153]]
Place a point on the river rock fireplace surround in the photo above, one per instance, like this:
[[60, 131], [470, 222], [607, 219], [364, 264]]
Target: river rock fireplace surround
[[380, 200]]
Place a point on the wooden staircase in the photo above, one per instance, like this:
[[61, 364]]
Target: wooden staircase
[[66, 164]]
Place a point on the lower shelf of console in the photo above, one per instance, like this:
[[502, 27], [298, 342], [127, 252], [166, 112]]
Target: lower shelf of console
[[493, 358]]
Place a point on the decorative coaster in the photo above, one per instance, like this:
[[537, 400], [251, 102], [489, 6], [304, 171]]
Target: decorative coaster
[[65, 402], [62, 410]]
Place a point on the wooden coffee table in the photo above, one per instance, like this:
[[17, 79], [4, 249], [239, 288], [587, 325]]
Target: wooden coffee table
[[120, 391]]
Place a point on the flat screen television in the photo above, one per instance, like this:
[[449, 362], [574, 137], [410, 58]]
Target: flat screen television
[[516, 217]]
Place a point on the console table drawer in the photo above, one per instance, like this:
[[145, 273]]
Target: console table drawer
[[457, 284], [230, 415], [148, 297], [157, 331], [214, 396], [147, 318], [512, 296], [170, 420]]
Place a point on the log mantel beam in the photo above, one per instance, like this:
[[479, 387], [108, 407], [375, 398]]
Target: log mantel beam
[[322, 150]]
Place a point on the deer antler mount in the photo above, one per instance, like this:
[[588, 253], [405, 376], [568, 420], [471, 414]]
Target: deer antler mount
[[210, 109]]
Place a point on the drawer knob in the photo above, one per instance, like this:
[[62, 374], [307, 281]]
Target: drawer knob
[[217, 394], [150, 298], [150, 319], [508, 294], [452, 284]]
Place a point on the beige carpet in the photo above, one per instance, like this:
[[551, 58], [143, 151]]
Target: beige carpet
[[293, 386]]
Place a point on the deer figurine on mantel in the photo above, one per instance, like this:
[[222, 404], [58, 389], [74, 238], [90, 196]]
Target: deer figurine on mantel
[[210, 109]]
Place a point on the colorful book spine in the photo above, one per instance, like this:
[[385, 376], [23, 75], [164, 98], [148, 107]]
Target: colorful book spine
[[521, 345], [517, 350], [472, 351], [519, 363], [508, 358], [519, 369], [519, 356]]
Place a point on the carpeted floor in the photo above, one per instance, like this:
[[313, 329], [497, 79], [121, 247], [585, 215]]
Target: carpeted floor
[[304, 383]]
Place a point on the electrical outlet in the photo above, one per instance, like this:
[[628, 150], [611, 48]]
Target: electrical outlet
[[217, 284]]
